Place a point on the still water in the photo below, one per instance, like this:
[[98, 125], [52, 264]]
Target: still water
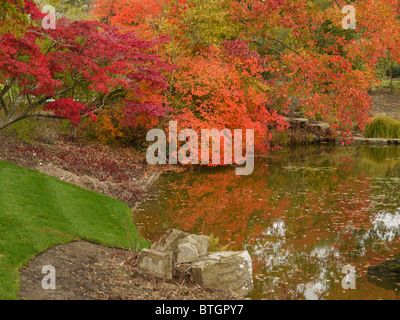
[[303, 215]]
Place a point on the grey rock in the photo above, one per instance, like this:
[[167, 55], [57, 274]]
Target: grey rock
[[201, 242], [376, 140], [187, 252], [322, 126], [170, 241], [156, 262], [228, 270], [387, 270], [297, 120], [183, 246]]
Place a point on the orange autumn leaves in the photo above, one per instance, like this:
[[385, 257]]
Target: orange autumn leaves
[[274, 53], [219, 90]]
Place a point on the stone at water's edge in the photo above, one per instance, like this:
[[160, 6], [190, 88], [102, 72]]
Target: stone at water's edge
[[185, 247], [187, 252], [375, 140], [156, 262], [170, 241], [202, 242], [297, 120], [322, 126], [228, 270], [192, 247], [386, 270]]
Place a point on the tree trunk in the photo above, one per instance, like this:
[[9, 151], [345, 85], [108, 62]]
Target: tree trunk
[[391, 77]]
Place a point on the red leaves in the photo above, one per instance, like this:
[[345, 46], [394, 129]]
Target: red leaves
[[22, 59], [67, 108], [82, 59], [33, 10], [129, 12]]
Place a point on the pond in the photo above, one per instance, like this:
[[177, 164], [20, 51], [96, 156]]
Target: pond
[[306, 215]]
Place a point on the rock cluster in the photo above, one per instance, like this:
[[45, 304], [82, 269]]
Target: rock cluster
[[226, 270]]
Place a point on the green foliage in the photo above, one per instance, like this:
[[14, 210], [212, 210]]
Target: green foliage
[[387, 68], [12, 19], [383, 127], [382, 68], [39, 211], [22, 130], [281, 138], [395, 70], [215, 245], [323, 4], [209, 21], [45, 130], [71, 9]]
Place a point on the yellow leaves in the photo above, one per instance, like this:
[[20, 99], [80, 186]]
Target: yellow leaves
[[208, 21], [12, 19]]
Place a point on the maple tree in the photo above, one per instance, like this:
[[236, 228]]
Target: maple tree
[[271, 56], [223, 88], [238, 64], [74, 70]]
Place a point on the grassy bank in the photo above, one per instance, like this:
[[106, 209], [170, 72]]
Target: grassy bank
[[39, 211]]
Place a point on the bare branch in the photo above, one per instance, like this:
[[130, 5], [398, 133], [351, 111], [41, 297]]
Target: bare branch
[[42, 115], [7, 87], [284, 45], [47, 36], [4, 107]]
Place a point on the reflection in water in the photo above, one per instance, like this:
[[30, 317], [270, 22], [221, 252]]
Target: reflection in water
[[386, 226], [303, 215]]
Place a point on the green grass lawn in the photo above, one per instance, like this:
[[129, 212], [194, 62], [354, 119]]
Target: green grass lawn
[[38, 211]]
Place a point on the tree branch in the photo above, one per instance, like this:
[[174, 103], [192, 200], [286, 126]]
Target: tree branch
[[7, 87], [42, 115], [3, 105], [284, 45]]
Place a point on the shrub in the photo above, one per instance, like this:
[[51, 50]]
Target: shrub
[[383, 127], [44, 130]]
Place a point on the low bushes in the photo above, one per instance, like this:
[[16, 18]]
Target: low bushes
[[383, 127]]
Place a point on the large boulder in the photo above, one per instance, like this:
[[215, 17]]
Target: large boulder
[[228, 270], [192, 247], [184, 247], [156, 262], [170, 241], [202, 242]]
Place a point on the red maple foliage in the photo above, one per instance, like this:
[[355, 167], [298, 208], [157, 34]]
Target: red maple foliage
[[81, 65]]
